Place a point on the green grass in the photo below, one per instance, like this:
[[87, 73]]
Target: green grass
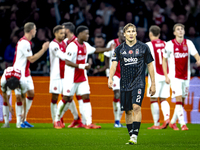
[[45, 137]]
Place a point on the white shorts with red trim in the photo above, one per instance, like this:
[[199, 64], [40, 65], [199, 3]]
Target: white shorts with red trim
[[56, 86], [179, 87], [80, 88], [162, 90], [116, 83], [29, 84]]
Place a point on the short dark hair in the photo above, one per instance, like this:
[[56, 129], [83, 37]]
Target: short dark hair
[[12, 83], [80, 29], [178, 24], [127, 26], [70, 26], [155, 30], [57, 28], [28, 27]]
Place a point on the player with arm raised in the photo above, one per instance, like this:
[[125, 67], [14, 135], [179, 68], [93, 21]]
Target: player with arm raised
[[22, 59]]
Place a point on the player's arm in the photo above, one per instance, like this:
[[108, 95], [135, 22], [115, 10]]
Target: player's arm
[[36, 56], [5, 97], [152, 76], [111, 74], [164, 66], [196, 56], [101, 50]]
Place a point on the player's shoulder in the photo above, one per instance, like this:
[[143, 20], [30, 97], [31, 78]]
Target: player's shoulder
[[23, 43], [120, 46], [53, 44], [143, 45], [188, 41], [111, 42], [65, 40]]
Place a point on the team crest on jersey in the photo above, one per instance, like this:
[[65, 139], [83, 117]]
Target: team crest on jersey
[[56, 49], [137, 51], [185, 47], [130, 52], [139, 91]]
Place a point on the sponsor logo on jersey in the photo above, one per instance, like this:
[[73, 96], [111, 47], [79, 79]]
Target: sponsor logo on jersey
[[137, 51], [79, 52], [180, 55], [81, 57], [130, 60], [130, 52], [185, 47], [124, 53]]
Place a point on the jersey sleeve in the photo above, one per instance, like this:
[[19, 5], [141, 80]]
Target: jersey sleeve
[[108, 53], [148, 57], [54, 47], [25, 47], [192, 49], [70, 51], [90, 49], [116, 54], [166, 51]]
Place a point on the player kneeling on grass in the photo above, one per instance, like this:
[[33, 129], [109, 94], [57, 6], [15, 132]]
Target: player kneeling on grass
[[12, 80]]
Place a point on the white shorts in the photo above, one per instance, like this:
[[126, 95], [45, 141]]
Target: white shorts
[[80, 88], [56, 86], [162, 90], [29, 84], [179, 87], [116, 83]]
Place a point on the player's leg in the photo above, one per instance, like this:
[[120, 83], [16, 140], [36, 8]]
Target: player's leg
[[29, 98], [155, 113], [165, 93], [53, 105], [6, 113], [18, 109]]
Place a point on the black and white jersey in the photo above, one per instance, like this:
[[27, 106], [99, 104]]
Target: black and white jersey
[[133, 62]]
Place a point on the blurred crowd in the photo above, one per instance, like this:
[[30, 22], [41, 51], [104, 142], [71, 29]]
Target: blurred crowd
[[103, 17]]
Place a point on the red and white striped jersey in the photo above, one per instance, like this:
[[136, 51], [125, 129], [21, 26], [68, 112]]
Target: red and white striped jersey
[[178, 58], [57, 59], [67, 41], [110, 53], [22, 51], [157, 48], [77, 54]]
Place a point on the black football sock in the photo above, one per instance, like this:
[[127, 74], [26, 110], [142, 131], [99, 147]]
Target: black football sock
[[130, 129], [136, 127]]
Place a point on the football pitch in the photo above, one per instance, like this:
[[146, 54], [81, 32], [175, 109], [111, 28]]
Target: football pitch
[[45, 137]]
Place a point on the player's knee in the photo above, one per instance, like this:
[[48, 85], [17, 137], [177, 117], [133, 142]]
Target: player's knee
[[30, 93], [54, 97], [136, 109], [86, 96], [67, 98], [128, 113], [18, 98]]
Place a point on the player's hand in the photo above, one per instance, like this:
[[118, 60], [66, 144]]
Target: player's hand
[[167, 80], [152, 90], [45, 46], [88, 67], [11, 110], [112, 46], [110, 83], [198, 63]]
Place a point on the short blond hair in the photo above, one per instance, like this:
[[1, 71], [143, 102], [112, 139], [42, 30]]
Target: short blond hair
[[127, 26], [28, 27], [177, 25]]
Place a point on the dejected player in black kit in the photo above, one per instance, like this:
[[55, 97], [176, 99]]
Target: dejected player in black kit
[[133, 56]]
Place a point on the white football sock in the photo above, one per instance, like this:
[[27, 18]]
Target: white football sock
[[60, 108], [116, 111], [155, 113], [6, 114], [18, 107], [165, 109], [28, 105], [179, 111], [174, 118], [87, 112], [80, 103], [53, 111], [73, 109]]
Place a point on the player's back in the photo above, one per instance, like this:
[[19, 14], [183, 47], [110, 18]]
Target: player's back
[[157, 48], [22, 51]]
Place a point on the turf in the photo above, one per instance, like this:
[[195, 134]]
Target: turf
[[45, 137]]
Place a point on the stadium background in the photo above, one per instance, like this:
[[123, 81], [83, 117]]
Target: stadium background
[[103, 18]]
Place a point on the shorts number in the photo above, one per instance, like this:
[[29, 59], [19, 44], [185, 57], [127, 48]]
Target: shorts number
[[138, 98]]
